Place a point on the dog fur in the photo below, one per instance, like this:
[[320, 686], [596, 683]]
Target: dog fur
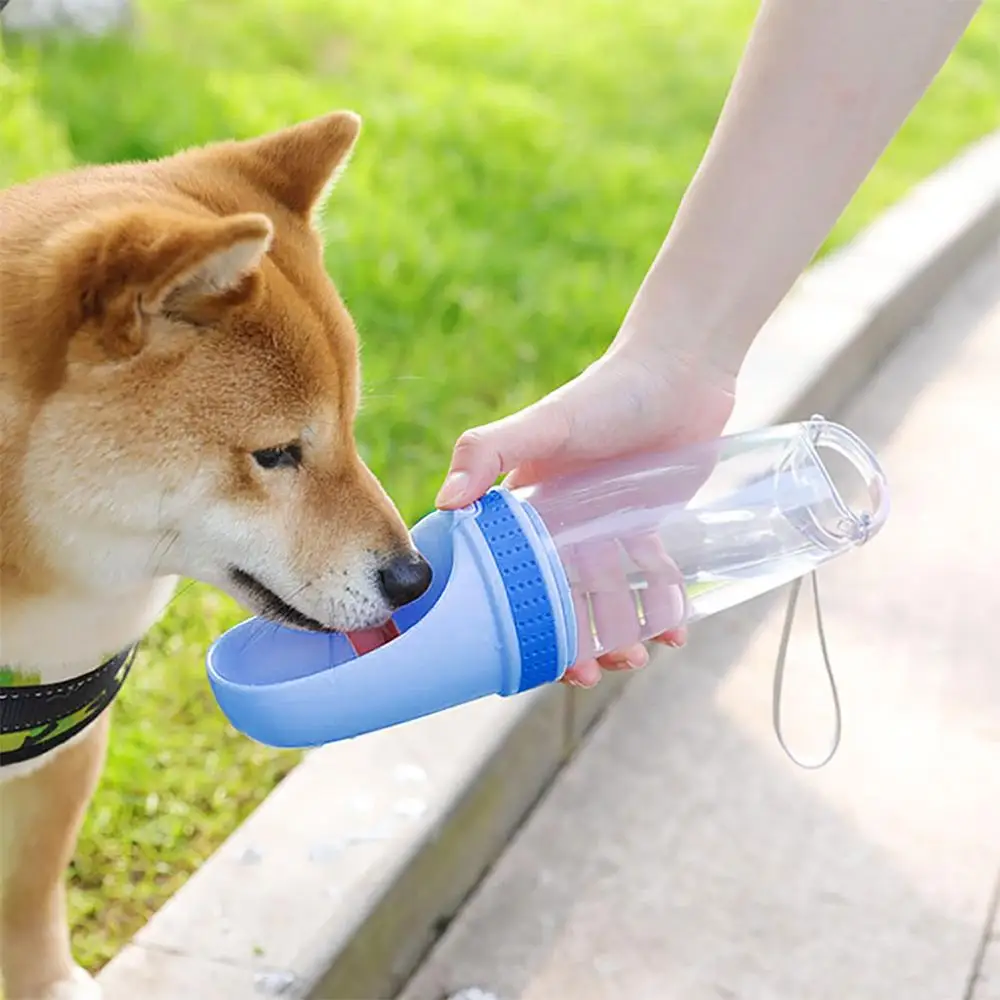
[[160, 325]]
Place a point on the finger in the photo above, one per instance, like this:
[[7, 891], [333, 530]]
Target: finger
[[586, 645], [602, 575], [631, 658], [483, 454], [662, 599], [674, 638], [585, 674]]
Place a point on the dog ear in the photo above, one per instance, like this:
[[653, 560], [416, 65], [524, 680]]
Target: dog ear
[[299, 165], [130, 266], [210, 261]]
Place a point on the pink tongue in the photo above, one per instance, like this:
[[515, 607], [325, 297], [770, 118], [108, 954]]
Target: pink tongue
[[367, 639]]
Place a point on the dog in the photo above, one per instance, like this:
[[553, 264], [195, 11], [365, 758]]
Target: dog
[[179, 380]]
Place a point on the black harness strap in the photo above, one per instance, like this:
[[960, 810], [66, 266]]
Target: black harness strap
[[36, 718]]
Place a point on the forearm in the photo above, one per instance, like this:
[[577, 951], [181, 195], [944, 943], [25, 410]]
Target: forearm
[[822, 88]]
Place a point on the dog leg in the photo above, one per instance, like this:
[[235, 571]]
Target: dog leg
[[40, 817]]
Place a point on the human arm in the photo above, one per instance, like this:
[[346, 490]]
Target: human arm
[[821, 89]]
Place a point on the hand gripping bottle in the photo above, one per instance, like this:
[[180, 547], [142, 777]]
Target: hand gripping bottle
[[528, 581]]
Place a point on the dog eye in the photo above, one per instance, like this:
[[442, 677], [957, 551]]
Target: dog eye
[[288, 456]]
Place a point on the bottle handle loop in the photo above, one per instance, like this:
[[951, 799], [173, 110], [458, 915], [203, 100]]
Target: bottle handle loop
[[779, 677]]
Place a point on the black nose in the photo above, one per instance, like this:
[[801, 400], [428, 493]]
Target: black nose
[[404, 578]]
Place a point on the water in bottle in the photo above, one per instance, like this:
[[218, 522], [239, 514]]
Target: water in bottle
[[654, 542]]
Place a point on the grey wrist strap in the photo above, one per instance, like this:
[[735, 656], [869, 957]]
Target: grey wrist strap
[[779, 676]]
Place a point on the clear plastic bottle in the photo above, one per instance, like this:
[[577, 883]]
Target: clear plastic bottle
[[657, 541]]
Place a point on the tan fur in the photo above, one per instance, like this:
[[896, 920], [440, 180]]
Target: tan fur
[[39, 823], [159, 323]]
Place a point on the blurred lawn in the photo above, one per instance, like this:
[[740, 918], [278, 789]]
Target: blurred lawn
[[520, 164]]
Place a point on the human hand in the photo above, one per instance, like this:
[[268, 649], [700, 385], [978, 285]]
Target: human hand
[[631, 400]]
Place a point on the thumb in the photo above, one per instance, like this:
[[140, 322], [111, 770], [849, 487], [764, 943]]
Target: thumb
[[485, 453]]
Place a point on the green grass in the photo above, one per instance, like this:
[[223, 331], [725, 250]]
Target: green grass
[[520, 164]]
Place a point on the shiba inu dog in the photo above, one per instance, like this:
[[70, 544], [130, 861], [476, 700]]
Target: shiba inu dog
[[178, 386]]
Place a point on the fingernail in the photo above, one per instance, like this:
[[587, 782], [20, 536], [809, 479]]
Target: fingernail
[[452, 489], [618, 664], [638, 660]]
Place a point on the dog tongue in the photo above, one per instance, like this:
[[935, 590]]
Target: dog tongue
[[366, 639]]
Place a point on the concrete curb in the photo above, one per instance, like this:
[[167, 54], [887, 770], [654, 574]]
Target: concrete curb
[[337, 886]]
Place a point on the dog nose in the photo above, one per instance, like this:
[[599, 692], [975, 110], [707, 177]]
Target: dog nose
[[404, 578]]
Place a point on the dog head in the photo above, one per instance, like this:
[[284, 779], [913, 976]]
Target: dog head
[[198, 417]]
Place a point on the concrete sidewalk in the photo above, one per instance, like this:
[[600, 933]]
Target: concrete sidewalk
[[680, 856]]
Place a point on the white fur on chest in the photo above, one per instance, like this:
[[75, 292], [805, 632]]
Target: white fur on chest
[[59, 637], [64, 635]]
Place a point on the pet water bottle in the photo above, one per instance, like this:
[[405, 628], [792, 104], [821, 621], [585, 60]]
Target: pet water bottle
[[528, 581]]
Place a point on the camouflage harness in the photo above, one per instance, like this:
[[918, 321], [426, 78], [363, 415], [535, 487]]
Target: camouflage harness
[[36, 718]]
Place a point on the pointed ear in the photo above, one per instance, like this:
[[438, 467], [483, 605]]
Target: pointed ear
[[299, 165], [209, 261], [127, 265]]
